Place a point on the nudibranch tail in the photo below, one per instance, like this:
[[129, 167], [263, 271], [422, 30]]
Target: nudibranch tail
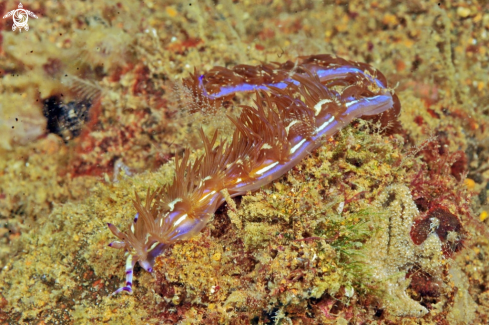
[[296, 105]]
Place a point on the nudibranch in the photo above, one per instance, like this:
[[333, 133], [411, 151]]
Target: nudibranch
[[297, 104]]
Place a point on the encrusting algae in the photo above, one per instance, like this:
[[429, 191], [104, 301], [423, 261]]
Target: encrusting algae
[[293, 258], [374, 226]]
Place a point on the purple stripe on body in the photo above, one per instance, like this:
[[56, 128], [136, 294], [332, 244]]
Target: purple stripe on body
[[370, 105], [323, 74], [336, 73]]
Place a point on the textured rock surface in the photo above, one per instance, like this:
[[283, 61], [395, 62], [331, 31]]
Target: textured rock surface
[[330, 242]]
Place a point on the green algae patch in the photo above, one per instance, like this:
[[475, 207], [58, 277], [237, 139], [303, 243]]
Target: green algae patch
[[67, 264], [34, 180], [258, 234]]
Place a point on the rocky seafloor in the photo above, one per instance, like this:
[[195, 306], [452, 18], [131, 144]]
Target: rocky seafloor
[[373, 227]]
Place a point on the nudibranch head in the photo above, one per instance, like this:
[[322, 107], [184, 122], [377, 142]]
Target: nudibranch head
[[140, 244]]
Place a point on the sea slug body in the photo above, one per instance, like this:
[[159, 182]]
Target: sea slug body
[[299, 104]]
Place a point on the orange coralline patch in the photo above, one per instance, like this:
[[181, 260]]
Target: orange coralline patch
[[480, 85], [418, 120], [390, 20], [483, 216], [119, 71], [433, 113], [171, 11], [342, 24], [470, 183], [99, 284], [266, 33], [400, 65], [181, 46]]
